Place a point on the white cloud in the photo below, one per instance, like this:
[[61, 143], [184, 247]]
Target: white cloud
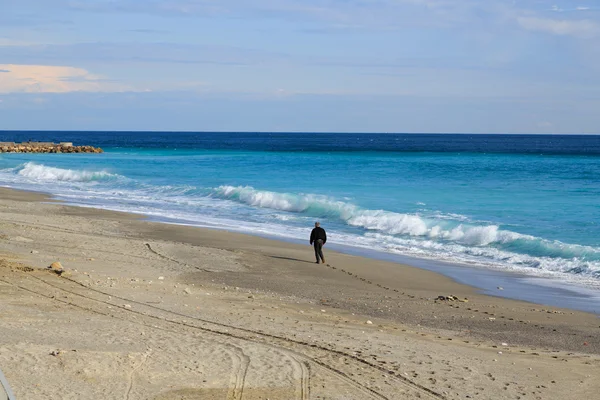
[[580, 8], [579, 28], [52, 79]]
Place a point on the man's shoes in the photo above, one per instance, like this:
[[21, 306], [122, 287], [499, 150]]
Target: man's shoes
[[316, 262]]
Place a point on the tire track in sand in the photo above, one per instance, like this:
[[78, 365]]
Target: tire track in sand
[[174, 260], [403, 380], [370, 393], [268, 339], [133, 371], [240, 363]]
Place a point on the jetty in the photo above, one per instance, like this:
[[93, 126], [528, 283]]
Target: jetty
[[46, 147]]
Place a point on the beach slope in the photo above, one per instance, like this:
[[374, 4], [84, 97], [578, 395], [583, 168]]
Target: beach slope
[[142, 310]]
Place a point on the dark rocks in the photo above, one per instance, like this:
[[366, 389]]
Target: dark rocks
[[38, 147]]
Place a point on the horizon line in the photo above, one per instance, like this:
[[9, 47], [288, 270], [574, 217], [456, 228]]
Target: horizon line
[[297, 132]]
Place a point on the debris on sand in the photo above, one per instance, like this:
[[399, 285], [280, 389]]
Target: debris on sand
[[451, 298]]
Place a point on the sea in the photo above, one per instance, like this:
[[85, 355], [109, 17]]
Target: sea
[[521, 203]]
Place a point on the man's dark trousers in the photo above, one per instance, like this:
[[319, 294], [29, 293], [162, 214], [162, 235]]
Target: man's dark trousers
[[319, 250]]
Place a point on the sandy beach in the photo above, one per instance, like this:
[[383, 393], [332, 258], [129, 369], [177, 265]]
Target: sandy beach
[[146, 310]]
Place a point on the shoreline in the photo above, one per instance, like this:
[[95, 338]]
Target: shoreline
[[515, 285], [164, 312], [430, 280]]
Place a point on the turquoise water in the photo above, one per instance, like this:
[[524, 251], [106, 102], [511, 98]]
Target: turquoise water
[[527, 204]]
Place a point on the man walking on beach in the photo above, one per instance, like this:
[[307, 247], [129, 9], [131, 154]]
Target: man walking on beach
[[318, 237]]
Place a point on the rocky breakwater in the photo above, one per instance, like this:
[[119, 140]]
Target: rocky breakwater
[[39, 147]]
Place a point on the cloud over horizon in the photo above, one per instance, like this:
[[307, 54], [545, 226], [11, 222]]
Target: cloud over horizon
[[52, 79]]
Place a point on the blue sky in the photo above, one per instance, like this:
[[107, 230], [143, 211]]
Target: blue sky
[[493, 66]]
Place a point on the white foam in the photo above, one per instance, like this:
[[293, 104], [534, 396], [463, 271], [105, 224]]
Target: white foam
[[297, 203], [389, 222], [574, 269], [40, 172]]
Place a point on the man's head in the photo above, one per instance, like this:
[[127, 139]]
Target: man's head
[[317, 224]]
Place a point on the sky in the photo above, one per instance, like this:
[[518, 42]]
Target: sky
[[459, 66]]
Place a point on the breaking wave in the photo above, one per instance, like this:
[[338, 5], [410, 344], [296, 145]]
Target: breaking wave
[[311, 204], [40, 172]]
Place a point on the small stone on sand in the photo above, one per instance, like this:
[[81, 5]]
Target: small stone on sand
[[56, 266]]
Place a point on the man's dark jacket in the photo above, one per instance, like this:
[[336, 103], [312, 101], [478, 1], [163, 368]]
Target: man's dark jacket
[[318, 233]]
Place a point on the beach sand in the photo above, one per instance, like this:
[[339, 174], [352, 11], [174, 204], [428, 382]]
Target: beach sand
[[156, 311]]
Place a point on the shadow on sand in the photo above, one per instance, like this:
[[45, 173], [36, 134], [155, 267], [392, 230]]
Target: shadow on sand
[[292, 259]]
